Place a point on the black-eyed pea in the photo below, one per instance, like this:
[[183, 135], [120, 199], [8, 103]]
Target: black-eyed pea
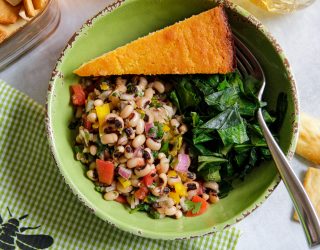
[[153, 144], [159, 86], [143, 171], [92, 175], [128, 152], [142, 102], [126, 97], [205, 196], [93, 150], [148, 156], [92, 117], [192, 193], [148, 93], [123, 140], [156, 191], [135, 181], [164, 179], [130, 133], [109, 138], [174, 123], [79, 138], [140, 127], [160, 210], [191, 185], [122, 159], [138, 141], [143, 82], [170, 211], [183, 129], [111, 195], [121, 84], [213, 198], [126, 112], [135, 163], [212, 185], [191, 176], [173, 180], [98, 102], [149, 116], [161, 155], [178, 214], [134, 119]]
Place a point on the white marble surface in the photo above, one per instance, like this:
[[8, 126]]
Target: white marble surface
[[270, 226]]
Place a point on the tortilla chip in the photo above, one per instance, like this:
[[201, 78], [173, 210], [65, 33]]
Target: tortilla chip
[[309, 139], [28, 5], [39, 4], [312, 186], [8, 13]]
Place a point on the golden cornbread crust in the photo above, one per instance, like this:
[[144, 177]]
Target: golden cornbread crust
[[200, 44]]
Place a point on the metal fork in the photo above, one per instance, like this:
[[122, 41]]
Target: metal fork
[[249, 65]]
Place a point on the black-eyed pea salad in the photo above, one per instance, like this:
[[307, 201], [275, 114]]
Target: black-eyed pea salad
[[130, 138]]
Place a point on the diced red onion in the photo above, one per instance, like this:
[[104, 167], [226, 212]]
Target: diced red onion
[[112, 187], [183, 163], [124, 172], [147, 127], [137, 152]]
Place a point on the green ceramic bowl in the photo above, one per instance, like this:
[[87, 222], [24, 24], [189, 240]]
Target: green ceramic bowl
[[133, 19]]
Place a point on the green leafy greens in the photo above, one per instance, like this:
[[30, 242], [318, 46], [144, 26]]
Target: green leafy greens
[[226, 140]]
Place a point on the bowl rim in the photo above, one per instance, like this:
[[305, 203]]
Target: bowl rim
[[169, 236]]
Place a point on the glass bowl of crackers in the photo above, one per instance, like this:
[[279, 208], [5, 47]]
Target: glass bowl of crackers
[[23, 25]]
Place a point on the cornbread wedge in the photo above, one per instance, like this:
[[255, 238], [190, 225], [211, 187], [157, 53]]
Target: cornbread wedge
[[199, 44], [311, 184], [309, 139]]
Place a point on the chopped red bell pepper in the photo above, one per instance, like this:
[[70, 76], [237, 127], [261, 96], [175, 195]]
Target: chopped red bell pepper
[[86, 123], [203, 208], [121, 199], [105, 171], [141, 193], [149, 178], [78, 95]]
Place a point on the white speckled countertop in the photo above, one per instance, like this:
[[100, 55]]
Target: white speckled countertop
[[270, 226]]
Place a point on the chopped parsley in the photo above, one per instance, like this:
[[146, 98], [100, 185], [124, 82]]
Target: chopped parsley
[[194, 207], [154, 214]]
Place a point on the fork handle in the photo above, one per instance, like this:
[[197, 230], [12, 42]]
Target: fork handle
[[302, 204]]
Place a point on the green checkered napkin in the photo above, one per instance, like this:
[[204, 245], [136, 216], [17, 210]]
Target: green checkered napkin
[[31, 184]]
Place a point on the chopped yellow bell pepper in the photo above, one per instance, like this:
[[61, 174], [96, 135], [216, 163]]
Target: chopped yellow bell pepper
[[95, 125], [175, 197], [177, 145], [183, 176], [181, 190], [172, 173], [166, 128], [125, 183], [102, 111], [104, 86]]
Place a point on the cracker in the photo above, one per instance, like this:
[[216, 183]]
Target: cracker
[[3, 35], [8, 13], [39, 4], [311, 184], [28, 5], [309, 139]]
